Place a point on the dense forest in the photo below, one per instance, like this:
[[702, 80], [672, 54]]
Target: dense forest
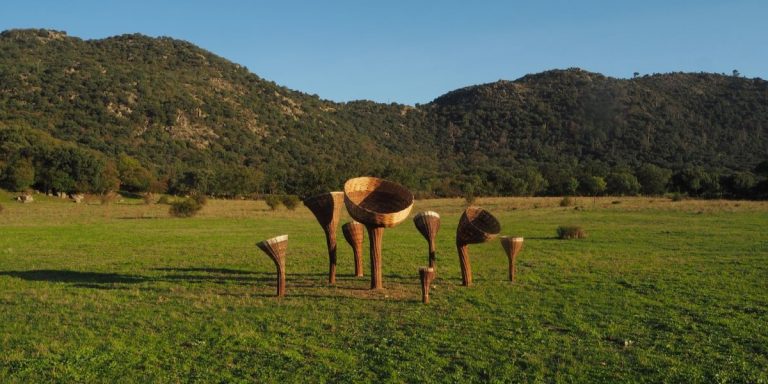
[[139, 114]]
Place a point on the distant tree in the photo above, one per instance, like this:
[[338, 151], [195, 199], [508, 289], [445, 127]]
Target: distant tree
[[741, 184], [653, 179], [592, 185], [622, 183], [133, 176], [636, 74], [19, 175], [736, 73]]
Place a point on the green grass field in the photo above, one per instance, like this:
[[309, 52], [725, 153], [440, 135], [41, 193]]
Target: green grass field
[[660, 291]]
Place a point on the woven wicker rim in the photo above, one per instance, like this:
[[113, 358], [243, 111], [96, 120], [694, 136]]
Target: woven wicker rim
[[276, 239], [367, 216], [479, 211]]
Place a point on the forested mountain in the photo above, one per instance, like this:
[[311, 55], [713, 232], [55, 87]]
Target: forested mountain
[[140, 113]]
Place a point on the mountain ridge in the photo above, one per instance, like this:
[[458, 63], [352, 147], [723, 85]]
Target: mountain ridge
[[188, 116]]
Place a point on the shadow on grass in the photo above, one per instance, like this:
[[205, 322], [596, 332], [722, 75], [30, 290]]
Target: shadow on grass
[[209, 270], [63, 276]]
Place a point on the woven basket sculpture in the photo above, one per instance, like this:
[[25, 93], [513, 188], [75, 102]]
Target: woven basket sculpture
[[327, 210], [354, 233], [428, 223], [512, 247], [475, 226], [377, 204], [275, 249]]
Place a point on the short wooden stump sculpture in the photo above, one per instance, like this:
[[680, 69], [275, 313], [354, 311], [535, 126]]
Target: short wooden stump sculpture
[[275, 249], [512, 246], [353, 233], [475, 226], [428, 223], [327, 209], [426, 275], [377, 204]]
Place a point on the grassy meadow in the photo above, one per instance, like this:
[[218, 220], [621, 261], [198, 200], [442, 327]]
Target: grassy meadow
[[659, 291]]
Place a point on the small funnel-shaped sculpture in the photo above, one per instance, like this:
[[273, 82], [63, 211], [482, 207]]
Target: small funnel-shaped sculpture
[[512, 246], [426, 275], [428, 223], [475, 226], [327, 209], [275, 249], [354, 232], [377, 204]]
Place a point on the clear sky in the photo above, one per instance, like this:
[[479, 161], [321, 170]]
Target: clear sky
[[414, 51]]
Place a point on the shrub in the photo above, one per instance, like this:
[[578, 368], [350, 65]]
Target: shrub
[[148, 198], [273, 201], [199, 198], [290, 201], [567, 232], [566, 201], [1, 208], [164, 199], [185, 208], [677, 196], [108, 198]]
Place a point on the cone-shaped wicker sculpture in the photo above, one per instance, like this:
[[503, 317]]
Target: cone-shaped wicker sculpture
[[327, 209], [426, 275], [275, 249], [377, 204], [475, 226], [512, 246], [354, 232], [428, 223]]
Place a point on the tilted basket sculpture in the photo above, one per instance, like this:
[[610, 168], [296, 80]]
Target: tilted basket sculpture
[[327, 210], [428, 223], [354, 233], [377, 204], [512, 247], [275, 249], [475, 226]]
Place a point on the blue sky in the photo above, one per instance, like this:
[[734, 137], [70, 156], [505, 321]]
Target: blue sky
[[414, 51]]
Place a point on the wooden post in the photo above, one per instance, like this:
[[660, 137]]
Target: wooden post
[[466, 267], [512, 246], [353, 233], [327, 210], [428, 223], [426, 275], [475, 226], [375, 235], [275, 249]]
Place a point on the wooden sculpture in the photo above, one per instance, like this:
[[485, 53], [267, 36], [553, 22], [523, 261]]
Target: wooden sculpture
[[327, 209], [377, 204], [512, 246], [475, 226], [275, 249], [428, 223], [354, 232], [426, 275]]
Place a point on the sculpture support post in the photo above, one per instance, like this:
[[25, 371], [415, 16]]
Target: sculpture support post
[[428, 223], [374, 235], [353, 233], [512, 247], [330, 240], [426, 275], [275, 249], [466, 267]]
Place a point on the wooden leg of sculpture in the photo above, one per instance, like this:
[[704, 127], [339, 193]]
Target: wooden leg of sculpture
[[426, 275], [374, 236], [358, 263], [466, 268], [432, 251], [275, 249], [330, 240], [280, 277]]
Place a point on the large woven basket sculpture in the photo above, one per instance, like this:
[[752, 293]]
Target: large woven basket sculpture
[[512, 247], [354, 233], [327, 209], [428, 223], [475, 226], [275, 249], [377, 204]]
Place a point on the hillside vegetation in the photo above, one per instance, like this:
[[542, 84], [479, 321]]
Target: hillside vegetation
[[140, 113]]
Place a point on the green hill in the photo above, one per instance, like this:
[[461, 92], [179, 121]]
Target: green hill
[[163, 114]]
